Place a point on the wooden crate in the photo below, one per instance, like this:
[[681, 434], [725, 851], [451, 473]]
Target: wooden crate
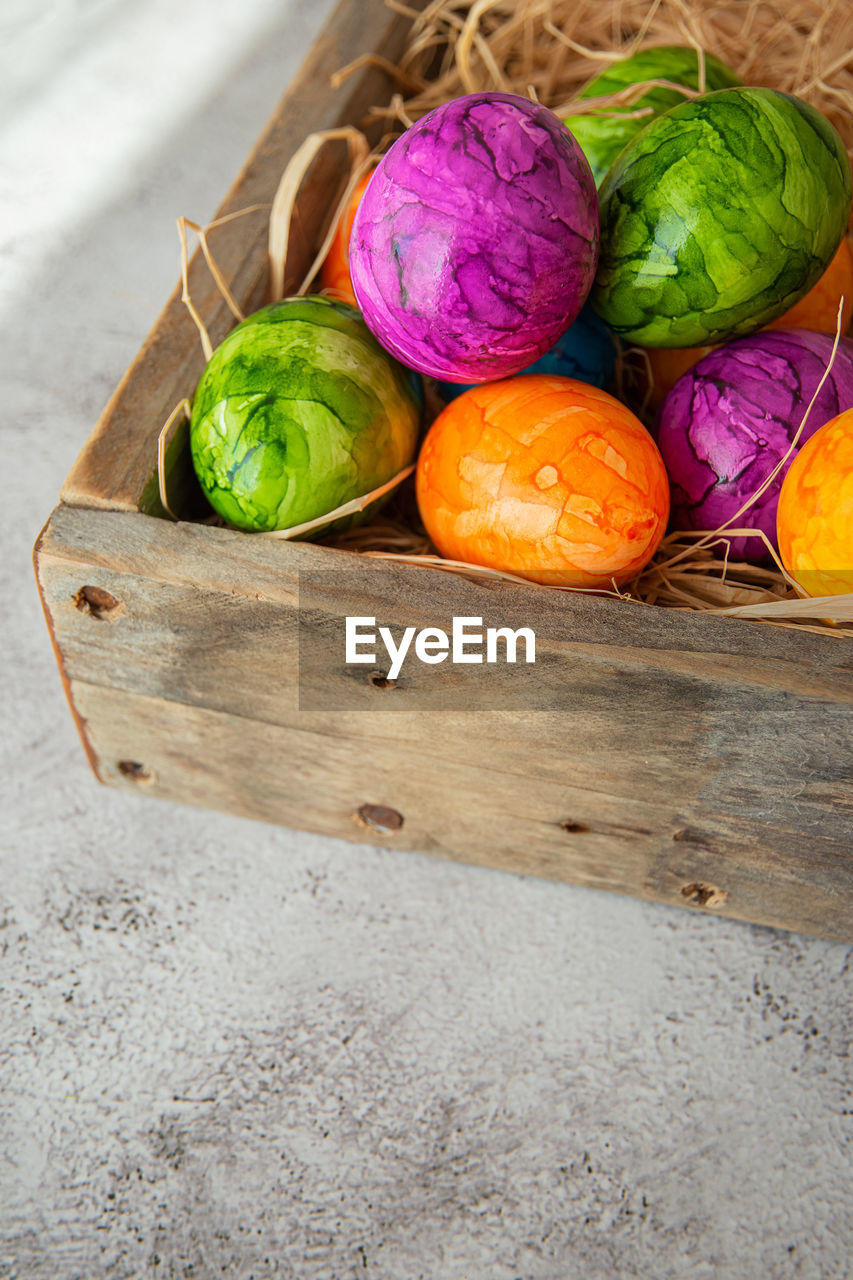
[[691, 760]]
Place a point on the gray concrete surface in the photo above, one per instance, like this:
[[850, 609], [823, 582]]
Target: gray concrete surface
[[232, 1050]]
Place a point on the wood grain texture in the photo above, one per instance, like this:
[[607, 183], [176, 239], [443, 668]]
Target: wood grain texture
[[117, 467], [671, 756]]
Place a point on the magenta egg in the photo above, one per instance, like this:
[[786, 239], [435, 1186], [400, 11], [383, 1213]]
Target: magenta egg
[[729, 421], [476, 241]]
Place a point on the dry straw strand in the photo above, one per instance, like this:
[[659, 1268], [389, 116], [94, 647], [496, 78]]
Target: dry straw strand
[[288, 189], [183, 408], [206, 344], [351, 508], [415, 84], [186, 224]]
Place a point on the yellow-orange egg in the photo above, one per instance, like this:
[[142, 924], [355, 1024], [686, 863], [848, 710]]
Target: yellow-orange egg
[[814, 520], [818, 310], [334, 273], [544, 477]]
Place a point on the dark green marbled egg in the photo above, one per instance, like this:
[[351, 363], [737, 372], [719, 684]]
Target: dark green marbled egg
[[298, 411], [718, 217], [602, 137]]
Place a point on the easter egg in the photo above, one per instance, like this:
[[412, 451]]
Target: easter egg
[[815, 517], [544, 477], [602, 136], [298, 411], [731, 419], [586, 351], [475, 243], [718, 217], [334, 273]]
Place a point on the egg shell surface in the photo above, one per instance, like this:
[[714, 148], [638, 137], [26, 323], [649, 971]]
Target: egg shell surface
[[586, 351], [298, 411], [815, 517], [602, 136], [476, 242], [545, 477], [718, 217], [334, 273], [730, 420]]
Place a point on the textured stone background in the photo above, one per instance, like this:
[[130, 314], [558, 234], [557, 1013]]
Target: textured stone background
[[230, 1050]]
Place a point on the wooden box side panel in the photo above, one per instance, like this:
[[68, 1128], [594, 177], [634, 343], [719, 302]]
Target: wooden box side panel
[[116, 469], [680, 765]]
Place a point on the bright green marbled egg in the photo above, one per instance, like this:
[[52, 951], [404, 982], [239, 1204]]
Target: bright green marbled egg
[[602, 137], [298, 411], [718, 217]]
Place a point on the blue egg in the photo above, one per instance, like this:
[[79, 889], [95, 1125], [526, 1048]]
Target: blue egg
[[586, 351]]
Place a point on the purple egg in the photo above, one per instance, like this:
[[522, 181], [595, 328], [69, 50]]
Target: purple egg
[[476, 241], [730, 419]]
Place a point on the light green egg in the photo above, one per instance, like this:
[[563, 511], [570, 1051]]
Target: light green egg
[[602, 136], [299, 411], [718, 217]]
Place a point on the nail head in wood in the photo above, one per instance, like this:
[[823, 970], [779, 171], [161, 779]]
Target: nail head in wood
[[97, 602], [380, 680], [378, 817], [135, 771], [704, 895]]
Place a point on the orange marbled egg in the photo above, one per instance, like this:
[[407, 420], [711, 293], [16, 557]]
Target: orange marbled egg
[[814, 519], [545, 477], [334, 273]]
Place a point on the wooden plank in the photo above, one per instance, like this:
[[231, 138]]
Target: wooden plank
[[658, 752], [257, 568], [116, 468], [314, 781]]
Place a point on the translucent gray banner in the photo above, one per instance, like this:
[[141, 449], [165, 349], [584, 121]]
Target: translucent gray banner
[[387, 637]]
